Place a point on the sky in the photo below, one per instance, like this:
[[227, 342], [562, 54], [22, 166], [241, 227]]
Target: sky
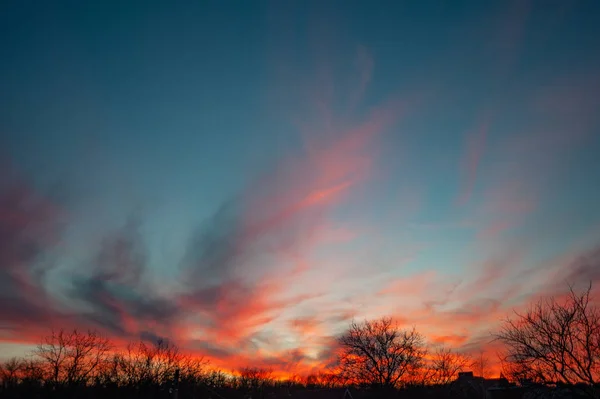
[[247, 178]]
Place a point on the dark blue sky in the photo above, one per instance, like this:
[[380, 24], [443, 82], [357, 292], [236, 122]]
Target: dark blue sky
[[361, 143]]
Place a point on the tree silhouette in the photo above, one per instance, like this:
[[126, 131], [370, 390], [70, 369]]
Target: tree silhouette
[[10, 372], [379, 354], [555, 341], [73, 357], [445, 365]]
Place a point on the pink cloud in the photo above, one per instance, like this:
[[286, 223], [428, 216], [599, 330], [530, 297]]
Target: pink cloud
[[411, 285]]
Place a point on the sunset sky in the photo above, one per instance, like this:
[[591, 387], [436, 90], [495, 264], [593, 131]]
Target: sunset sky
[[247, 177]]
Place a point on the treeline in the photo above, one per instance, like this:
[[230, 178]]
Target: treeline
[[86, 363], [77, 364], [553, 342]]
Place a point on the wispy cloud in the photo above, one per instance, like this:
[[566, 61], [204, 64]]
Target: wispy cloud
[[239, 273]]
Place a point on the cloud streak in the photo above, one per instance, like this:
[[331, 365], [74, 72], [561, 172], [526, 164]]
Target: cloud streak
[[239, 269]]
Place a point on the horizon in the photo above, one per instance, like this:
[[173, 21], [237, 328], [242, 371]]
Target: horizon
[[245, 179]]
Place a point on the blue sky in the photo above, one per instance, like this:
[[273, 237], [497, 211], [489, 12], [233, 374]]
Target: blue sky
[[267, 162]]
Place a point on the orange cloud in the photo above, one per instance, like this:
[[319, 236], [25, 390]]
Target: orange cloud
[[449, 340]]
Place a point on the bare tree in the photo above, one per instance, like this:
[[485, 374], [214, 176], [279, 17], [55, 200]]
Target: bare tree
[[329, 379], [53, 353], [155, 364], [87, 353], [73, 357], [110, 372], [378, 353], [217, 379], [10, 371], [161, 360], [311, 381], [254, 378], [133, 364], [445, 365], [322, 379], [555, 341], [33, 372]]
